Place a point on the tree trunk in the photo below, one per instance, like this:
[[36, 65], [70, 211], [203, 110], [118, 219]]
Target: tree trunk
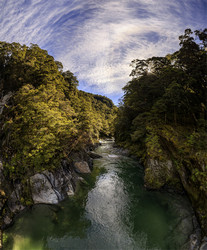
[[175, 117]]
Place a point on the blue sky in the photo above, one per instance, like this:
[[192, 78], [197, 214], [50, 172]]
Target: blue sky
[[97, 39]]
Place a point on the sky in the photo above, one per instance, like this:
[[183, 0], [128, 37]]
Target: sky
[[98, 39]]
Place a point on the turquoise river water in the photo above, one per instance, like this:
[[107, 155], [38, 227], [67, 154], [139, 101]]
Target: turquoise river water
[[114, 212]]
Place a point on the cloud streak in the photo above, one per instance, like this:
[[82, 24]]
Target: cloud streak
[[97, 39]]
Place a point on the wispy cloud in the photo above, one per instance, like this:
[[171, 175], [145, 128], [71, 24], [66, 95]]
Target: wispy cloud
[[97, 39]]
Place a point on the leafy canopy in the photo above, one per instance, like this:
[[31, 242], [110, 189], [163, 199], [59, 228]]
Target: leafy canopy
[[47, 116]]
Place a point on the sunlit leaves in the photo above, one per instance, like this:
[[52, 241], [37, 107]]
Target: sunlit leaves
[[47, 117]]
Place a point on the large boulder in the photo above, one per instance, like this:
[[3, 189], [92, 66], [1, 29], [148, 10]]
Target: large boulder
[[82, 167], [52, 187], [42, 190]]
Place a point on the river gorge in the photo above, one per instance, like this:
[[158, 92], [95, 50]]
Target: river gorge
[[113, 211]]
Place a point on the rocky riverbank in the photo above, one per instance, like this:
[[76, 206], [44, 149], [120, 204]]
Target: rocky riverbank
[[47, 187]]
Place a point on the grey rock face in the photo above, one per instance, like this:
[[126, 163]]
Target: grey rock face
[[4, 100], [204, 244], [61, 181], [14, 200], [52, 187], [42, 190], [158, 173], [7, 220]]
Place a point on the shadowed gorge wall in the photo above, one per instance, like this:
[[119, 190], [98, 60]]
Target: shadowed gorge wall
[[163, 119]]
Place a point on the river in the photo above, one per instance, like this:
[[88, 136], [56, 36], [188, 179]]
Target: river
[[116, 212]]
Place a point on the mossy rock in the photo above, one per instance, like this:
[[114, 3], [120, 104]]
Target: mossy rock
[[160, 173]]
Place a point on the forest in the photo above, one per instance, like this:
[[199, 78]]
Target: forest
[[46, 117], [163, 116]]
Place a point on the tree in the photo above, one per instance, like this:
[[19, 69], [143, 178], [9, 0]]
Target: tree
[[165, 90], [47, 117]]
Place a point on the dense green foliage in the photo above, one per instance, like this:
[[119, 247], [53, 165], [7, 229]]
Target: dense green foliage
[[47, 116], [163, 114]]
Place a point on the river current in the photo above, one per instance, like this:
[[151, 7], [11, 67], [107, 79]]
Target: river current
[[116, 212]]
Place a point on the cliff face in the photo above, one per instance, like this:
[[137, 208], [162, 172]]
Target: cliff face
[[178, 164], [159, 174]]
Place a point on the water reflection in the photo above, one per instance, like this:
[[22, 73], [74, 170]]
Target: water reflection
[[117, 213], [37, 227]]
